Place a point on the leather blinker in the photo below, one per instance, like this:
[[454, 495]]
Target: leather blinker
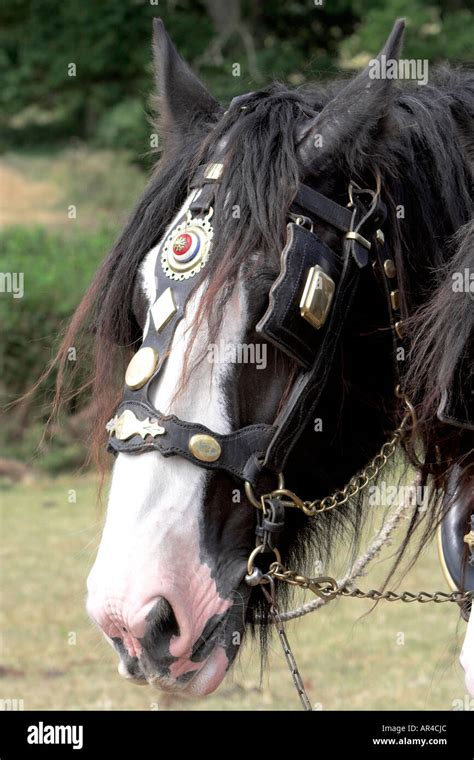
[[309, 269]]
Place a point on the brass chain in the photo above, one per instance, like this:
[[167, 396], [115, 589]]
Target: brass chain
[[327, 588], [356, 484]]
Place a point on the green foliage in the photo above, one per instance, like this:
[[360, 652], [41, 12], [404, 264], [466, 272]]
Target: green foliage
[[437, 31], [124, 126], [57, 271], [110, 44]]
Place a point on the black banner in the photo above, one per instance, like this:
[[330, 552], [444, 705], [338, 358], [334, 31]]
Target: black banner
[[378, 734]]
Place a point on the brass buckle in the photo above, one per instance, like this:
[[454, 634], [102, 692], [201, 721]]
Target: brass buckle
[[303, 221]]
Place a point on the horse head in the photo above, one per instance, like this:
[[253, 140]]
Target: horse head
[[248, 263]]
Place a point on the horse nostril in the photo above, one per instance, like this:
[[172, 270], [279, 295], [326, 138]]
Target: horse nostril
[[162, 620]]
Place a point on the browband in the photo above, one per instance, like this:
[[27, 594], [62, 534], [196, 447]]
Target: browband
[[316, 205]]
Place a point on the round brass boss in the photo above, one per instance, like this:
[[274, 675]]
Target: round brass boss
[[204, 447], [141, 367], [389, 267]]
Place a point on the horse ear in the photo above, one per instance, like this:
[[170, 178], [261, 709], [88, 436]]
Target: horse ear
[[184, 102], [351, 116]]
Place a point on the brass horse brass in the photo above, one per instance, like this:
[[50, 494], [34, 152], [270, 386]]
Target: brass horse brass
[[205, 448], [141, 367], [163, 309], [127, 425], [317, 297]]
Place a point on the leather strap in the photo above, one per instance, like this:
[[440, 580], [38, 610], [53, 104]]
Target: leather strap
[[204, 200], [237, 448], [362, 218], [161, 340], [309, 201], [306, 392], [386, 275], [307, 389], [202, 176]]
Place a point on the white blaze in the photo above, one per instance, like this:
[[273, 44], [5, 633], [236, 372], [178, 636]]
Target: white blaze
[[150, 542]]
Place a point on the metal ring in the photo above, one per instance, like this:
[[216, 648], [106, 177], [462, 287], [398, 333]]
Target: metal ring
[[292, 501], [304, 221], [259, 550], [250, 494]]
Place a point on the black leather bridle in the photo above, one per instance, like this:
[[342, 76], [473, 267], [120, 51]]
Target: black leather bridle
[[300, 321], [244, 453]]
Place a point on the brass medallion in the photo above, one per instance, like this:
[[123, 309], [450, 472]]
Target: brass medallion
[[186, 249], [141, 367], [205, 448]]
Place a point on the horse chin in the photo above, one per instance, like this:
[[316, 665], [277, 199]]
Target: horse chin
[[200, 680]]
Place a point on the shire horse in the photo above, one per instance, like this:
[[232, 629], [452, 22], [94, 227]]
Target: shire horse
[[358, 192]]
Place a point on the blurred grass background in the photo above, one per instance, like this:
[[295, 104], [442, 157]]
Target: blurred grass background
[[400, 657], [74, 157]]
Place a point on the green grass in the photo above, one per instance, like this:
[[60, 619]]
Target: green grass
[[348, 661]]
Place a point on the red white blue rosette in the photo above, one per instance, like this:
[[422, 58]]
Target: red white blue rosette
[[186, 249]]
